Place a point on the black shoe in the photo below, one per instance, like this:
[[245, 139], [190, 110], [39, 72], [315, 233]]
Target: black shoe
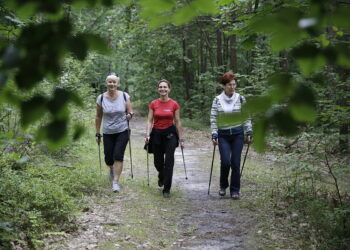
[[160, 183], [166, 194], [222, 192], [235, 196]]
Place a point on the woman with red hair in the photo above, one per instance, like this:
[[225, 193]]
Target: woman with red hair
[[229, 138]]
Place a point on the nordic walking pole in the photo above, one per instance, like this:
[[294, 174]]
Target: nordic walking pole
[[147, 164], [129, 132], [245, 157], [211, 170], [99, 154], [183, 158]]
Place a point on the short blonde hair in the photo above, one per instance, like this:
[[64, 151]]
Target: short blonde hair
[[112, 74]]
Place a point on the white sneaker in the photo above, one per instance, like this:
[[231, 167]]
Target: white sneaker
[[115, 186]]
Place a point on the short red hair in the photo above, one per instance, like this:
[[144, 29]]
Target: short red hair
[[227, 77]]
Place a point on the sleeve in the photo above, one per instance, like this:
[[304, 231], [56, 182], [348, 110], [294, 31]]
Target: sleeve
[[213, 117], [151, 105], [127, 96], [247, 125], [176, 106], [98, 100]]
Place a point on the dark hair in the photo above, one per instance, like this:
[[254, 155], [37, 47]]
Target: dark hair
[[164, 80], [227, 77]]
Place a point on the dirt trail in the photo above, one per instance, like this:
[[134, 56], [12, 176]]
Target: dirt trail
[[207, 222], [217, 223]]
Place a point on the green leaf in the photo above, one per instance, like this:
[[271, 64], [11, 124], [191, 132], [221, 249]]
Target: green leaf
[[281, 40], [303, 112], [302, 104], [78, 46], [311, 65], [343, 55], [257, 104], [205, 6], [24, 10], [249, 42], [157, 6], [184, 15], [196, 7], [56, 130], [284, 122], [226, 2], [96, 43], [260, 130], [309, 57], [32, 110], [341, 16], [282, 26], [78, 131], [282, 86], [231, 119], [58, 103], [54, 133]]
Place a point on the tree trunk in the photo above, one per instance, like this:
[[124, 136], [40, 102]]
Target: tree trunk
[[344, 130], [203, 66], [283, 62], [187, 63], [218, 48], [224, 52], [233, 53]]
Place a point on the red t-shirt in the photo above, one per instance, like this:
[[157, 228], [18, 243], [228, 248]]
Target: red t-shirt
[[163, 113]]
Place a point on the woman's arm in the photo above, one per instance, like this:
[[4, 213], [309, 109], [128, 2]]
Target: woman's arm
[[129, 110], [179, 127], [149, 124], [247, 125], [213, 120], [98, 121]]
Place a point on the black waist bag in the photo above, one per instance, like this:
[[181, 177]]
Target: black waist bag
[[156, 134]]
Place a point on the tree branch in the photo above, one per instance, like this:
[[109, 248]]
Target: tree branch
[[335, 179]]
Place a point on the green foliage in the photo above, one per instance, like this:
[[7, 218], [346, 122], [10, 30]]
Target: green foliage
[[42, 190], [161, 12], [37, 54]]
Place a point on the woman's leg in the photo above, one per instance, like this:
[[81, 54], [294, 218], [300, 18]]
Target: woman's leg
[[108, 146], [236, 147], [158, 153], [118, 155], [170, 146], [225, 155]]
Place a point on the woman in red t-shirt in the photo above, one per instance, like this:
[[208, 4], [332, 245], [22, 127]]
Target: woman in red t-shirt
[[164, 131]]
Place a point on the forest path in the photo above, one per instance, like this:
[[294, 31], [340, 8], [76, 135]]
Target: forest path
[[202, 221]]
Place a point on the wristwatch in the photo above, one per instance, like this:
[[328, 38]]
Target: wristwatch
[[98, 135]]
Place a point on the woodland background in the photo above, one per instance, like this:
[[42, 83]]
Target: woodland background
[[292, 59]]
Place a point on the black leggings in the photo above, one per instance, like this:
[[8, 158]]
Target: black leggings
[[164, 159], [114, 146]]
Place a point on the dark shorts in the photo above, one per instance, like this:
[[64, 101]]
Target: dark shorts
[[114, 146]]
